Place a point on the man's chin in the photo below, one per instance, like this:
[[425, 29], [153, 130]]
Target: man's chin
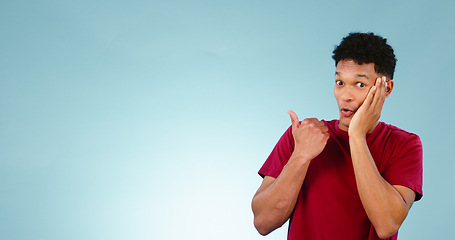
[[344, 123]]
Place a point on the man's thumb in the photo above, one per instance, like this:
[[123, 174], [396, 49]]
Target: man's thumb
[[294, 119]]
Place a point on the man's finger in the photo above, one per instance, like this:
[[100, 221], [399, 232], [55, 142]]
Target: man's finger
[[384, 89], [326, 135], [319, 124], [379, 90], [381, 98], [294, 119], [324, 129], [369, 99], [307, 121]]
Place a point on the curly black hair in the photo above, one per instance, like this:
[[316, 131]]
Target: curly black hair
[[367, 48]]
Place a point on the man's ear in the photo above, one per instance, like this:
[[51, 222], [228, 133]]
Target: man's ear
[[389, 87]]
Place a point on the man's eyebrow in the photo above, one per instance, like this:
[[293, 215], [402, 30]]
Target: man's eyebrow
[[357, 76], [362, 75]]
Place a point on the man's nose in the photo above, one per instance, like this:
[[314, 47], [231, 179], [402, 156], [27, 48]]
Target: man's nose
[[347, 94]]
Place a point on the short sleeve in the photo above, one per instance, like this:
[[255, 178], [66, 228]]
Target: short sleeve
[[406, 169], [279, 155]]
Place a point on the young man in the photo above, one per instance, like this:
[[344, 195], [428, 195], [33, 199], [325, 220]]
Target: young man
[[352, 178]]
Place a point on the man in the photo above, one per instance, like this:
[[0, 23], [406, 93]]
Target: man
[[352, 178]]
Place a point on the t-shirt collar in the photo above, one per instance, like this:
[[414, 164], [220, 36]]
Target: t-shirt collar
[[370, 135]]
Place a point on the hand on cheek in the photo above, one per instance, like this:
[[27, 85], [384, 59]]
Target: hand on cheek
[[368, 114]]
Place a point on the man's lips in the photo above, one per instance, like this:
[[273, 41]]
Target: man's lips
[[347, 112]]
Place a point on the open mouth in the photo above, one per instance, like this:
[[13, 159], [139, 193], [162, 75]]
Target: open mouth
[[347, 112]]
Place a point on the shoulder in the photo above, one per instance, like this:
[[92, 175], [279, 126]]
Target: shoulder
[[397, 134], [331, 124], [400, 141]]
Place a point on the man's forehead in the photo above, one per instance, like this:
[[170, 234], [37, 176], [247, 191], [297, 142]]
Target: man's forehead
[[349, 68], [357, 75]]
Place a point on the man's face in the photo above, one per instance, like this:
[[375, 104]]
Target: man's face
[[352, 83]]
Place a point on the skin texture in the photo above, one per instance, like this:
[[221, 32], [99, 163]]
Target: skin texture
[[360, 93]]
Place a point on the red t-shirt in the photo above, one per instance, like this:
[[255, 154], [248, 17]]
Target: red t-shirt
[[328, 205]]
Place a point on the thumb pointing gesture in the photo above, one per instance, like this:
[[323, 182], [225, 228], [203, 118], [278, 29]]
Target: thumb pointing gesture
[[294, 119], [310, 136]]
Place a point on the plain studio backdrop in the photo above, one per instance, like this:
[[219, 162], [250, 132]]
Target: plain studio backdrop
[[150, 119]]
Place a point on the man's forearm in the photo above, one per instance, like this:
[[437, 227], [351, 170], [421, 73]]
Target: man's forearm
[[383, 204], [273, 204]]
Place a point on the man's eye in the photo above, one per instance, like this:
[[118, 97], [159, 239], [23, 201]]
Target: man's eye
[[338, 82], [360, 84]]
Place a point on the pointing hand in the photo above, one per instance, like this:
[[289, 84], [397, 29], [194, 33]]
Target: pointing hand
[[310, 136]]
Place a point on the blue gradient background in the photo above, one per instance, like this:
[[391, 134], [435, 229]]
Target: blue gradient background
[[150, 119]]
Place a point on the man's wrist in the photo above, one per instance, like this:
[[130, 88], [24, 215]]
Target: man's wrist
[[355, 133], [300, 156], [356, 138]]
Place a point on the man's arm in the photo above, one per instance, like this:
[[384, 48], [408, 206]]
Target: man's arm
[[386, 206], [275, 199]]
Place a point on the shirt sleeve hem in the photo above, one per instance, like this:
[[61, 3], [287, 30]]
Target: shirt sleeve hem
[[418, 191], [273, 174]]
